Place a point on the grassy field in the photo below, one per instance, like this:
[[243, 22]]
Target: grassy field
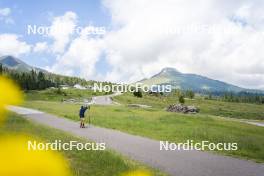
[[161, 125], [82, 163], [210, 107], [59, 95]]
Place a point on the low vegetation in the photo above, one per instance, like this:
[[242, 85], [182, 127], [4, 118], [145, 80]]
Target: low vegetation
[[209, 107], [161, 125], [82, 162], [57, 94]]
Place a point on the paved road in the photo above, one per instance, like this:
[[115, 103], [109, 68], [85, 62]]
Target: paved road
[[105, 99], [261, 124], [177, 163]]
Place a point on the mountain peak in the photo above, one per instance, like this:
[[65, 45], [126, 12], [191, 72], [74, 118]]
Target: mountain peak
[[167, 72], [169, 69], [193, 82], [10, 61]]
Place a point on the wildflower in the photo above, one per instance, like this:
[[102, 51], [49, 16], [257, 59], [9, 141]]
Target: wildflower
[[10, 94], [17, 159]]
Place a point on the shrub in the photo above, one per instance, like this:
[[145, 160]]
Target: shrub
[[190, 94], [138, 94], [181, 99]]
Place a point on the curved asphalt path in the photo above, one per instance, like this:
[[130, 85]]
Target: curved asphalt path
[[177, 163], [261, 124], [105, 99]]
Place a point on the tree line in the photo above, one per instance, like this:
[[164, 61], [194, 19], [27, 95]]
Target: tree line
[[240, 97], [243, 97], [39, 80]]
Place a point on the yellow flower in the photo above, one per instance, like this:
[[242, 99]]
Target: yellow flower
[[137, 173], [17, 160], [10, 94]]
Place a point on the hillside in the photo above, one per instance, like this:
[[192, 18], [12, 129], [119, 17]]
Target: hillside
[[16, 64], [193, 82], [34, 78]]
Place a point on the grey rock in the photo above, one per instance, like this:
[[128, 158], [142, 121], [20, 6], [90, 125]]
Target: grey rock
[[183, 108]]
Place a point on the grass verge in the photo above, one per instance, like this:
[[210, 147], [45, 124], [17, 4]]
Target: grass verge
[[210, 107], [161, 125], [82, 163]]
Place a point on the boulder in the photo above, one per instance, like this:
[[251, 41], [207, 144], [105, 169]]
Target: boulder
[[183, 108]]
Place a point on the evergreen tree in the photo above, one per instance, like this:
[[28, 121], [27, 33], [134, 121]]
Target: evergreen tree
[[42, 84], [138, 94], [189, 94], [181, 99], [1, 69]]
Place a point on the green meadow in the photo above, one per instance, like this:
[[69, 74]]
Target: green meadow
[[156, 123], [53, 94], [209, 107], [82, 162]]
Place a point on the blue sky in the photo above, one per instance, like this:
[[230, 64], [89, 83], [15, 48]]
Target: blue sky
[[31, 12], [40, 12], [220, 39]]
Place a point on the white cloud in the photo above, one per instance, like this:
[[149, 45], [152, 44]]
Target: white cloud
[[220, 39], [144, 40], [5, 15], [61, 30], [77, 53], [11, 45], [81, 55], [5, 11], [40, 47]]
